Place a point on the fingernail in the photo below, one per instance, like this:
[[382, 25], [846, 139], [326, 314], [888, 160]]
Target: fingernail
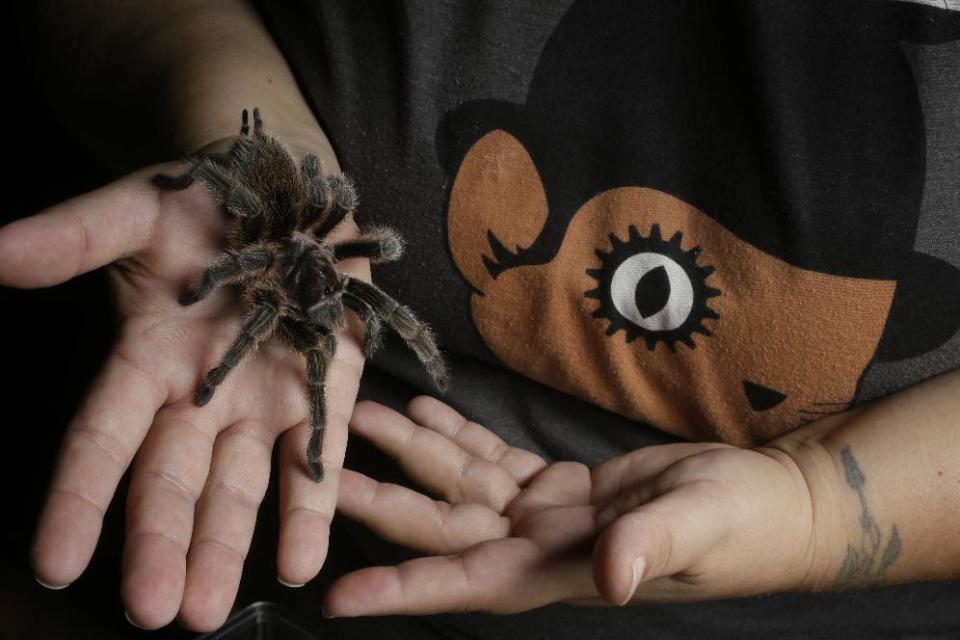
[[638, 565], [325, 613], [292, 585], [130, 620], [52, 587]]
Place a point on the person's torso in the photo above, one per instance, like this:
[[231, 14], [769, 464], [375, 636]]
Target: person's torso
[[723, 219]]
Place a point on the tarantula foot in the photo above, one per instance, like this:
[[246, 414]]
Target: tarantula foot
[[344, 193], [371, 347], [203, 395], [172, 182], [438, 371], [315, 468], [314, 463], [389, 244], [188, 298]]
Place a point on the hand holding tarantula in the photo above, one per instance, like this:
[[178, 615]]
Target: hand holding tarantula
[[200, 472], [278, 253]]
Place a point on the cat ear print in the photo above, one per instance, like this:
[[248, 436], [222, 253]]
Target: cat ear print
[[498, 207], [460, 128], [913, 21], [925, 312]]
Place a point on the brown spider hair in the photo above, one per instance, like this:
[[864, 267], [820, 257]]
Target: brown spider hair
[[279, 216]]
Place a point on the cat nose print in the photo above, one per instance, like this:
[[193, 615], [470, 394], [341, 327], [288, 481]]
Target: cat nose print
[[760, 397]]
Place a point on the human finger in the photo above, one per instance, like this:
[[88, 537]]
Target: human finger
[[433, 460], [613, 476], [500, 576], [306, 510], [413, 520], [225, 516], [96, 451], [475, 438], [307, 507], [658, 539], [79, 234], [562, 484], [167, 479]]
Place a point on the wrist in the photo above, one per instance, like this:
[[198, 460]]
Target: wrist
[[888, 471], [815, 468]]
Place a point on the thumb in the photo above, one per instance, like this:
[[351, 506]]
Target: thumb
[[660, 538], [80, 234]]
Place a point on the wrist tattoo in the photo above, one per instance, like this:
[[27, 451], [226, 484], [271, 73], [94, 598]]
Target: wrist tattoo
[[864, 566]]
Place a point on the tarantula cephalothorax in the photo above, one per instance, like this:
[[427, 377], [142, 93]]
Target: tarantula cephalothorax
[[279, 216]]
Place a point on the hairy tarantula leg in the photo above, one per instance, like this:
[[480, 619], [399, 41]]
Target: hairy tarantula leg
[[318, 359], [372, 335], [343, 199], [178, 183], [244, 124], [257, 122], [208, 167], [242, 202], [315, 185], [414, 333], [259, 326], [380, 244], [229, 268]]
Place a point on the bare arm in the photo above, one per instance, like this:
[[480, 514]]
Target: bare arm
[[885, 484], [863, 498], [148, 81]]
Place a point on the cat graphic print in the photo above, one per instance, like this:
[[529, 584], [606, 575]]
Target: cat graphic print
[[641, 236]]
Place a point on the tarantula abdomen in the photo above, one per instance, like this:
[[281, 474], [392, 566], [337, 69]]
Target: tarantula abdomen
[[279, 216]]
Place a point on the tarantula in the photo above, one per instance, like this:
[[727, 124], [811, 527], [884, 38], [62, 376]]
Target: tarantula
[[279, 216]]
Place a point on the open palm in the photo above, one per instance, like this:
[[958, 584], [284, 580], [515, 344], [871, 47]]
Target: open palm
[[200, 473], [512, 533]]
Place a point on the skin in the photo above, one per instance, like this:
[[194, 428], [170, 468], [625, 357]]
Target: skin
[[174, 76], [512, 532], [834, 505]]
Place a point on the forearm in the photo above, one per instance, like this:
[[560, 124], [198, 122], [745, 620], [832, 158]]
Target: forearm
[[148, 81], [885, 484]]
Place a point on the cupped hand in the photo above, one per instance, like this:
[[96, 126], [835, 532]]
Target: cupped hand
[[199, 473], [511, 532]]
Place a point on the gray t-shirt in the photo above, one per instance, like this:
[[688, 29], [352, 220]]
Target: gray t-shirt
[[637, 222]]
